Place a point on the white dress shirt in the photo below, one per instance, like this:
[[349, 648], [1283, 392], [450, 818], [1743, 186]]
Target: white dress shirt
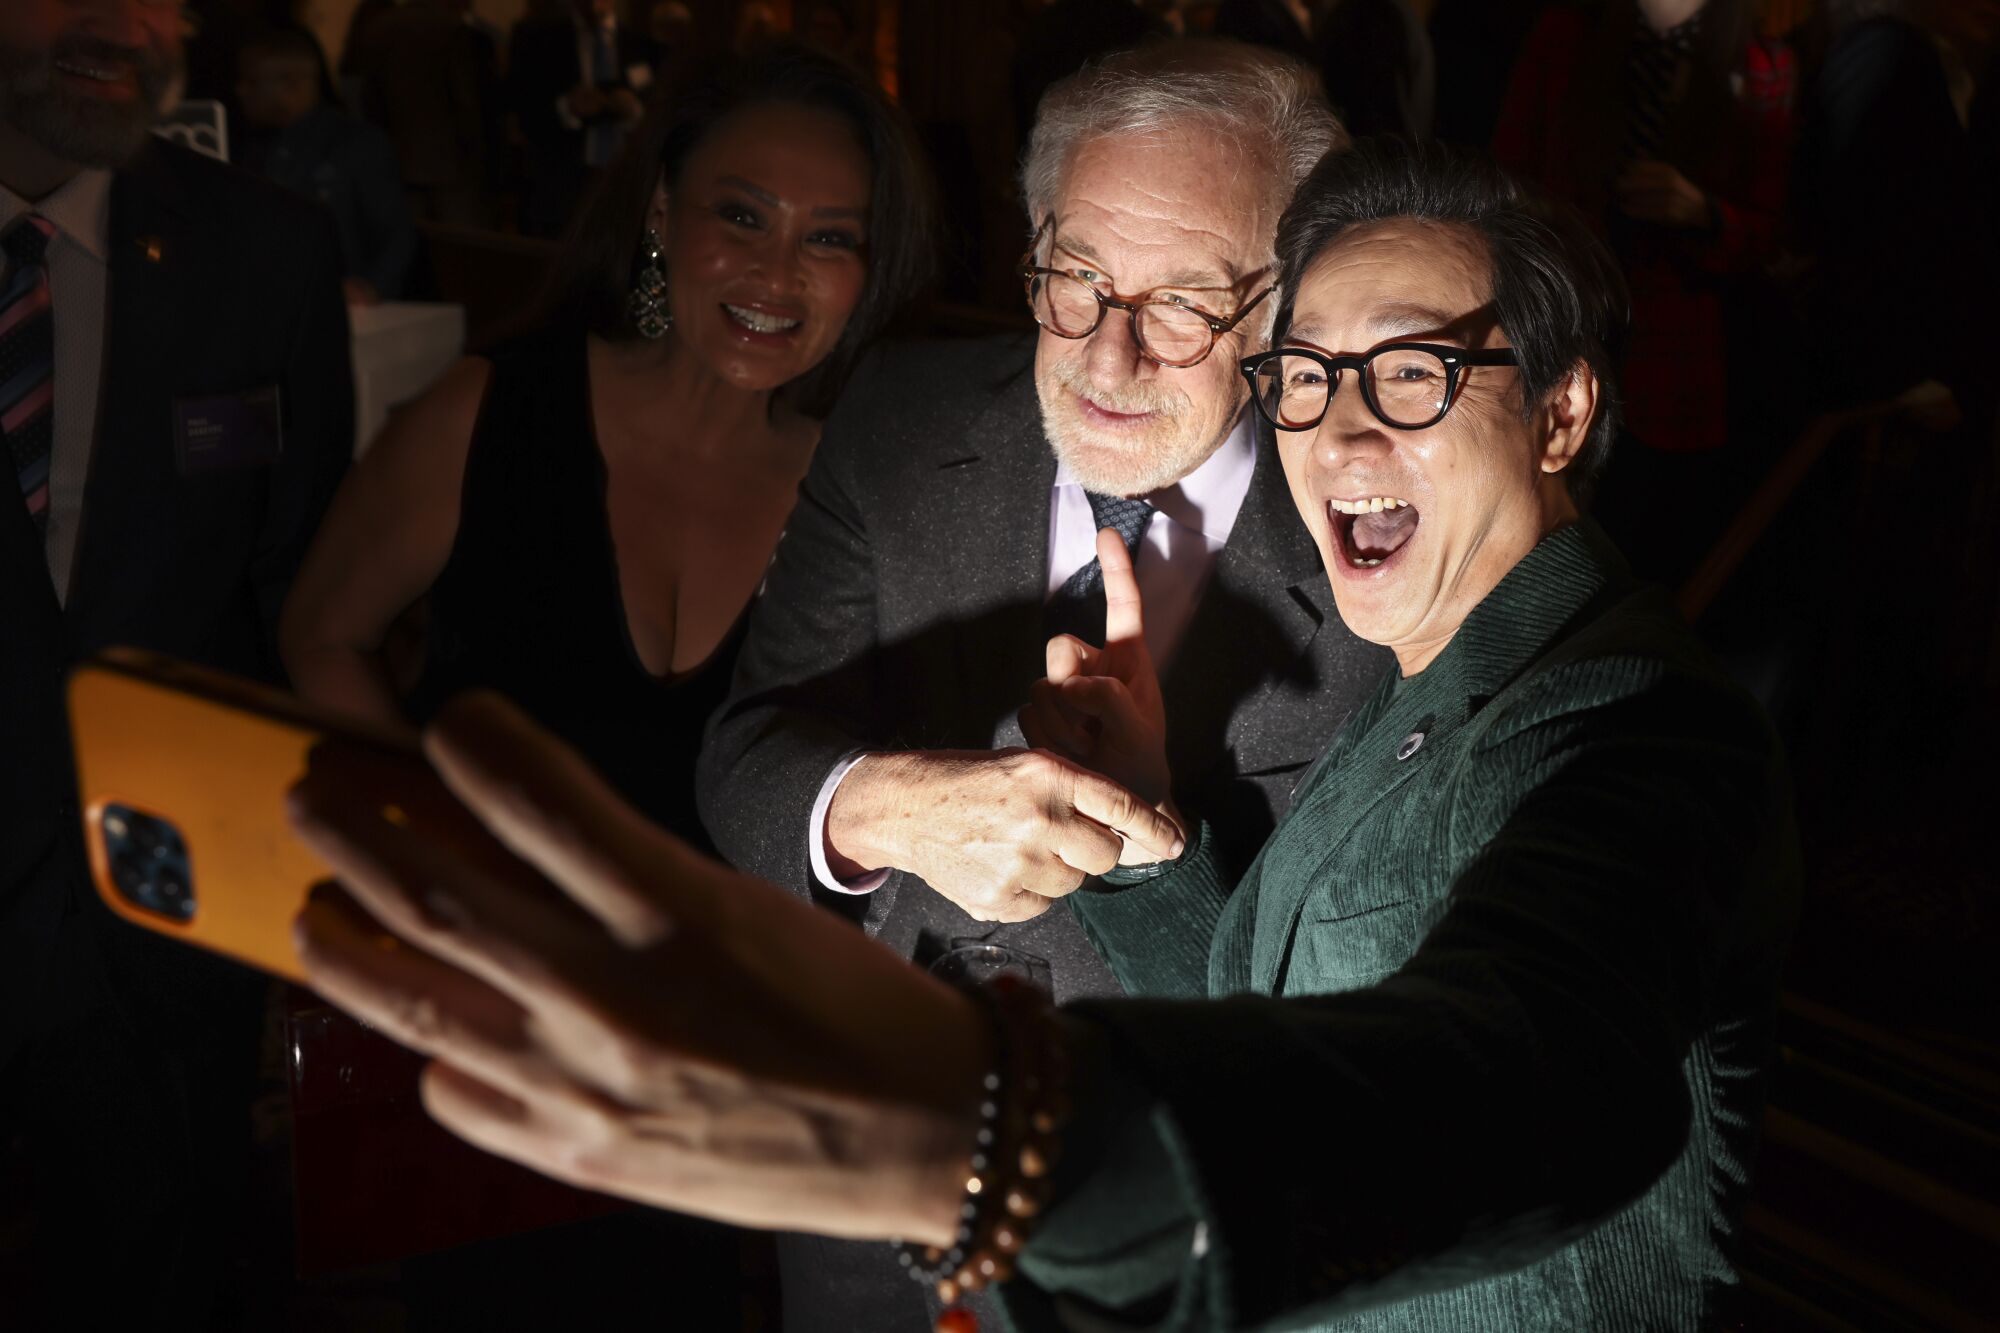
[[80, 210], [1194, 519]]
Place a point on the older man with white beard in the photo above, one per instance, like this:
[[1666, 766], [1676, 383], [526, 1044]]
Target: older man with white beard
[[869, 754]]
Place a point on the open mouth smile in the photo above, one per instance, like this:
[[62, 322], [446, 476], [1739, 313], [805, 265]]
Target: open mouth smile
[[108, 76], [1372, 531], [763, 323]]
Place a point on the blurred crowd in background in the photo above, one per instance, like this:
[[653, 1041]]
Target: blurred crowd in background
[[1829, 167]]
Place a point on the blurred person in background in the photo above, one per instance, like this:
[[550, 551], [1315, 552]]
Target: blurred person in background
[[830, 26], [1668, 123], [292, 137], [177, 409], [217, 30], [576, 84], [670, 24], [431, 81], [358, 21], [1894, 210], [756, 24]]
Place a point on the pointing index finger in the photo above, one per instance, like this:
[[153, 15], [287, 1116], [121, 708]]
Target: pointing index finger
[[1124, 616], [1105, 802]]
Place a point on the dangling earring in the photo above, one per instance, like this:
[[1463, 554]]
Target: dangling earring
[[649, 293]]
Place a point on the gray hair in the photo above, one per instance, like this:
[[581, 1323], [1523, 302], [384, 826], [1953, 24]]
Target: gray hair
[[1269, 103]]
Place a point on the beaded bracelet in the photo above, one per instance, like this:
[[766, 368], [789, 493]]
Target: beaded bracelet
[[1024, 1104]]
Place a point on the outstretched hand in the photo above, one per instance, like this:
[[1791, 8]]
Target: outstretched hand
[[1101, 706], [609, 1007], [1653, 191]]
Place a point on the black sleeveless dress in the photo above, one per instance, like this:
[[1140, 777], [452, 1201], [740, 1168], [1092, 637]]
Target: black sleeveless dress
[[529, 602]]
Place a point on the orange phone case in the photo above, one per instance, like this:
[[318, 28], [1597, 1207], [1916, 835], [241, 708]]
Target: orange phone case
[[214, 756], [376, 1179]]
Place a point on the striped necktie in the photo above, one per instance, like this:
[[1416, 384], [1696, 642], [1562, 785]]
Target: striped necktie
[[1078, 606], [28, 360]]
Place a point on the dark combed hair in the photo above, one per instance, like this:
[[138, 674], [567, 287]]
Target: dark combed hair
[[1557, 292], [592, 280]]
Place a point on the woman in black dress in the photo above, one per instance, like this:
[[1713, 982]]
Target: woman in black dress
[[589, 508], [586, 512]]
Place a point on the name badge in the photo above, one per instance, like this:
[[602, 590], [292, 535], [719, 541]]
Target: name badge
[[228, 431]]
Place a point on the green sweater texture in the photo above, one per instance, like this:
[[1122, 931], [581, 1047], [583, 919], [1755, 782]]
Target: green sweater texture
[[1478, 1042]]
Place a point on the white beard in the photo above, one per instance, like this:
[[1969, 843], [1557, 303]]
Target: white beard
[[1118, 462]]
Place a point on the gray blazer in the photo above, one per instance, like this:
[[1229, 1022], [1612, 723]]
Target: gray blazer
[[904, 611]]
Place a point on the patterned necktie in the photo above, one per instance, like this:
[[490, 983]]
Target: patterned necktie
[[1654, 75], [28, 361], [1078, 606]]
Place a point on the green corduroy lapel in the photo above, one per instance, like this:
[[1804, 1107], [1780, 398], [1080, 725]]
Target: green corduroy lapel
[[1523, 616], [1515, 625]]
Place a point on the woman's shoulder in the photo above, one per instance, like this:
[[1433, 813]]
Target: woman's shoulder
[[433, 430]]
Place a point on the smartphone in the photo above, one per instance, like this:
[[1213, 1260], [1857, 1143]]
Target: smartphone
[[183, 773]]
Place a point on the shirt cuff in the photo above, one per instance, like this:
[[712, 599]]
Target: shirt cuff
[[816, 837]]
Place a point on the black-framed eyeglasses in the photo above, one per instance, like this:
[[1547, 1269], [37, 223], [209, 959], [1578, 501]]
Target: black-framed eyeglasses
[[1170, 330], [1408, 386]]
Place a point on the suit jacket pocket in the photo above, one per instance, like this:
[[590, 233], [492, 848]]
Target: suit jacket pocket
[[1345, 947]]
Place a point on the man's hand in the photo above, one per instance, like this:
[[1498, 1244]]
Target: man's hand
[[1102, 706], [609, 1007], [585, 102], [625, 106], [1931, 405], [1657, 192], [1001, 833]]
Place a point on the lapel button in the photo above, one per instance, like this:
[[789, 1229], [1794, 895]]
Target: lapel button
[[1411, 744]]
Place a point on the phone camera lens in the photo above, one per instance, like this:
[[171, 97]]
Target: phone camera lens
[[149, 862]]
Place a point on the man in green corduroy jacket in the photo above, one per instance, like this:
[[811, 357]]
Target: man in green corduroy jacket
[[1514, 950], [1475, 1046]]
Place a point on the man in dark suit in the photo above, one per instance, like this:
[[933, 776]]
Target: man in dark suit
[[574, 84], [177, 407], [295, 138], [869, 753]]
